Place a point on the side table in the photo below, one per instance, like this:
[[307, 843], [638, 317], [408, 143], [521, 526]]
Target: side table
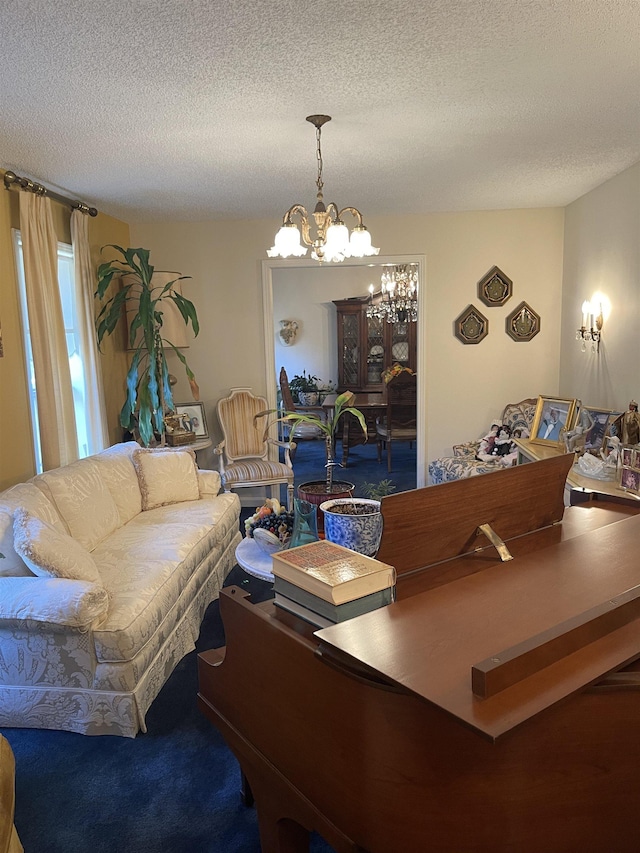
[[253, 560], [579, 488]]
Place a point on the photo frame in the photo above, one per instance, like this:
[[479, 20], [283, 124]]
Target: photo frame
[[195, 415], [630, 478], [553, 417], [596, 425]]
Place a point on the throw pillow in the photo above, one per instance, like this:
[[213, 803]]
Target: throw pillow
[[49, 553], [166, 476]]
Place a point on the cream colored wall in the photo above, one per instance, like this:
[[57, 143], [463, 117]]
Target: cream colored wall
[[16, 446], [602, 253], [465, 385]]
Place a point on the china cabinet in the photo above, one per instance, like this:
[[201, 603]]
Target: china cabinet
[[368, 345]]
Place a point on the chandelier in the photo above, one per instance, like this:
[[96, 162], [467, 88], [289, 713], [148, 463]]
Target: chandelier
[[398, 301], [333, 242]]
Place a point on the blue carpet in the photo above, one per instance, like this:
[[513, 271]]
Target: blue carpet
[[362, 465], [175, 788]]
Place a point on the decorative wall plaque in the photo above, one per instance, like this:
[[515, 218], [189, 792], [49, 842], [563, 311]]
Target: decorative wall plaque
[[523, 323], [471, 326], [495, 288]]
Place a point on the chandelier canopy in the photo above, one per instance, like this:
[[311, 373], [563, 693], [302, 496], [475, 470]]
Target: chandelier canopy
[[398, 301], [333, 241]]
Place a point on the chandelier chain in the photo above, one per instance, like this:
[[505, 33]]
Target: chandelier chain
[[319, 181]]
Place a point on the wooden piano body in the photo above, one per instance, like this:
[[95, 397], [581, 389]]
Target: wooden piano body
[[369, 731]]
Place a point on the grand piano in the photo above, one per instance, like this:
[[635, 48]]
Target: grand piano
[[493, 708]]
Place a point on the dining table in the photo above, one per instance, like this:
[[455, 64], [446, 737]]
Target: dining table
[[372, 405]]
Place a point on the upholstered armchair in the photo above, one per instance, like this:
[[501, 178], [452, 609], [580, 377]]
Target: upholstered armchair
[[465, 462], [243, 453]]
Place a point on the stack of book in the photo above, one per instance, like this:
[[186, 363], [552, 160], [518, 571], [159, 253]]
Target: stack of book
[[325, 583]]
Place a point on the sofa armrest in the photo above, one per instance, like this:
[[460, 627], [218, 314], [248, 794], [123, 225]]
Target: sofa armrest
[[209, 482], [55, 603]]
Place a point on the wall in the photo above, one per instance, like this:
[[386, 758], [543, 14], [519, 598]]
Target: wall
[[16, 446], [602, 253], [465, 385]]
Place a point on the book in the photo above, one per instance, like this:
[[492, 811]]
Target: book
[[333, 612], [332, 572], [303, 612]]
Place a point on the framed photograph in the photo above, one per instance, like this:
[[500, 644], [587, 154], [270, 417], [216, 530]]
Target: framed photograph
[[630, 480], [595, 424], [553, 414], [627, 455], [193, 418]]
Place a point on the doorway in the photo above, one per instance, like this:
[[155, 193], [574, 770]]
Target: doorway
[[274, 271]]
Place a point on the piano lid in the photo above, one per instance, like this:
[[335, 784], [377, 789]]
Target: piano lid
[[429, 643]]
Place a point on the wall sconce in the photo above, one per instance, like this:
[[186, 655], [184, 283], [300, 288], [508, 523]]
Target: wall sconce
[[591, 328]]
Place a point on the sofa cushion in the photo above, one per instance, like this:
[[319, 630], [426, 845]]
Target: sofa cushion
[[166, 476], [147, 564], [116, 469], [29, 497], [49, 553], [82, 500], [11, 563]]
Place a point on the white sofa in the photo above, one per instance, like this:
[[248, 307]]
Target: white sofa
[[107, 567]]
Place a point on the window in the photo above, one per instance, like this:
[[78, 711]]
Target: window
[[66, 282]]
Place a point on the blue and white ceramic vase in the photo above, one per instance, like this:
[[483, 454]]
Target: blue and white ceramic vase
[[361, 532]]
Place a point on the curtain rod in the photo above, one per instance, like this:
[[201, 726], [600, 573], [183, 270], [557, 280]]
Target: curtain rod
[[10, 178]]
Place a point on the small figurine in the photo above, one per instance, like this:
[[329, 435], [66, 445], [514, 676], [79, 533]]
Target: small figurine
[[502, 443], [627, 426], [486, 442], [612, 458]]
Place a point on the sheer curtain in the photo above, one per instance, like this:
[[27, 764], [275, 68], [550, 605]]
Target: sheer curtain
[[54, 394], [96, 416]]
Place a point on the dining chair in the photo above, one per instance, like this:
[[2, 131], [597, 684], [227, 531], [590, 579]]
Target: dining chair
[[399, 423], [243, 452], [288, 405]]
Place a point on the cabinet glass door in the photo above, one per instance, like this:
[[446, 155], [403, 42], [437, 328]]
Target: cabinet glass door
[[375, 350], [400, 345], [350, 349]]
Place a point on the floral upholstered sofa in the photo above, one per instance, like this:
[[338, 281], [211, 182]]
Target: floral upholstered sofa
[[107, 567], [468, 460]]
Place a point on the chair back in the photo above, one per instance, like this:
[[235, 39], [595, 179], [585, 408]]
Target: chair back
[[285, 390], [402, 402], [243, 436]]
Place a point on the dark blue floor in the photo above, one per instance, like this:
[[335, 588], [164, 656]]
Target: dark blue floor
[[362, 465]]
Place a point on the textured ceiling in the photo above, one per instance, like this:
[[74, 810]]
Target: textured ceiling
[[188, 109]]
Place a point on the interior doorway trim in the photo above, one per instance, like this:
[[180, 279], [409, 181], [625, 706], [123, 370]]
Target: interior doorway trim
[[271, 381]]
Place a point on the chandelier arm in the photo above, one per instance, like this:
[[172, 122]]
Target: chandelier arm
[[353, 211], [304, 221]]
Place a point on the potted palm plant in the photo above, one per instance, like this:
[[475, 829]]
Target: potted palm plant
[[149, 398], [317, 491]]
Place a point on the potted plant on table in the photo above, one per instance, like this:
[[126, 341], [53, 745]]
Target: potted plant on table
[[149, 398], [305, 388]]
